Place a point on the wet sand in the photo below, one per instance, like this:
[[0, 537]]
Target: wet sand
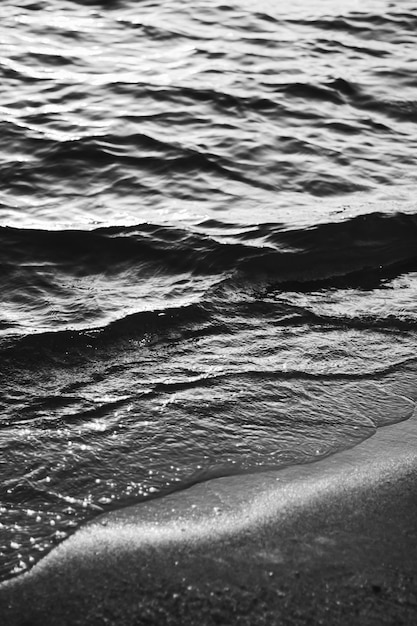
[[332, 542]]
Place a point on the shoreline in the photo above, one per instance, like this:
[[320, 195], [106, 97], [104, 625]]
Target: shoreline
[[330, 542]]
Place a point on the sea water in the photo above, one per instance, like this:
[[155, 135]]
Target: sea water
[[208, 258]]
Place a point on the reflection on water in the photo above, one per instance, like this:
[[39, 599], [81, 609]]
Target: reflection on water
[[208, 260]]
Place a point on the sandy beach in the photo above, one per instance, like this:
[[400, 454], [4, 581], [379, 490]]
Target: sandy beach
[[332, 542]]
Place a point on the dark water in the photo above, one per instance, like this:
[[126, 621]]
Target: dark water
[[207, 245]]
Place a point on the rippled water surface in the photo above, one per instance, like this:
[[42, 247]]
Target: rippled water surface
[[208, 259]]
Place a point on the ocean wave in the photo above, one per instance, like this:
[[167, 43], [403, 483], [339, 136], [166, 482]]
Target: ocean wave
[[358, 245], [366, 25], [241, 277], [363, 243], [69, 344], [223, 291]]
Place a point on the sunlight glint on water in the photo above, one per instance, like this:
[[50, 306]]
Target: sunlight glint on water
[[208, 259]]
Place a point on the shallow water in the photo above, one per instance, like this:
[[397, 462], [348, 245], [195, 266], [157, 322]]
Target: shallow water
[[208, 246]]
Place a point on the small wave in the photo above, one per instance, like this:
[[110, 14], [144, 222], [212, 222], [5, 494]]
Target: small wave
[[340, 92], [332, 250], [64, 344], [373, 242], [102, 249], [366, 25]]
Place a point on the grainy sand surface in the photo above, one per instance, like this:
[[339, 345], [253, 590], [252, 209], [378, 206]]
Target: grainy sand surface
[[332, 542]]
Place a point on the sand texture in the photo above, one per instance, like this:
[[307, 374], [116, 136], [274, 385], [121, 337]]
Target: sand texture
[[332, 542]]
